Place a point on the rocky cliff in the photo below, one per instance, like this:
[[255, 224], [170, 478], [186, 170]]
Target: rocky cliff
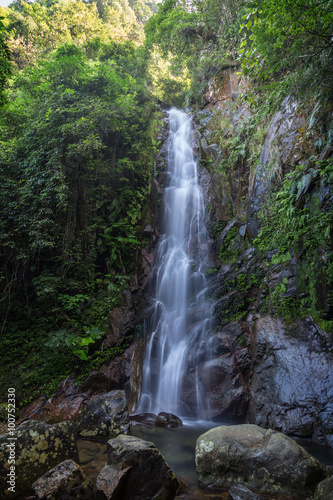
[[271, 285]]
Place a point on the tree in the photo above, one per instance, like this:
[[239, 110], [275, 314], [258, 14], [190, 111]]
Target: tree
[[5, 62], [284, 36]]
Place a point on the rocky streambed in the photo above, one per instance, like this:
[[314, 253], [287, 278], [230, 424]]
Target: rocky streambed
[[153, 458]]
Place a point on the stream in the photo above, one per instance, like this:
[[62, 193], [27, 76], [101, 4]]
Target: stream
[[177, 446]]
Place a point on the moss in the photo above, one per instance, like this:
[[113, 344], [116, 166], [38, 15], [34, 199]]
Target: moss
[[302, 211], [241, 341], [232, 247]]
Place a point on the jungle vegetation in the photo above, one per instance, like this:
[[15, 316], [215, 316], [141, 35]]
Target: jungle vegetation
[[81, 83]]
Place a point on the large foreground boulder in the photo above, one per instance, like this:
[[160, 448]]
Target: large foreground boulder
[[136, 470], [104, 417], [262, 459], [67, 480], [30, 451]]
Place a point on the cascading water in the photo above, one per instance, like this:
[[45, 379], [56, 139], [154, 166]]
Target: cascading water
[[178, 328]]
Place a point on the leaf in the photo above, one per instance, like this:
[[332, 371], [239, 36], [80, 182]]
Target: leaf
[[87, 341], [81, 354]]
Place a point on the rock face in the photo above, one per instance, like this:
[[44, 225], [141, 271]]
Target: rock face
[[291, 387], [38, 447], [66, 480], [137, 470], [224, 377], [104, 417], [324, 490], [265, 460]]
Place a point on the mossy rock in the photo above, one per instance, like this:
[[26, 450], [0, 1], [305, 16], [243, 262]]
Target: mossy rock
[[31, 450], [262, 459]]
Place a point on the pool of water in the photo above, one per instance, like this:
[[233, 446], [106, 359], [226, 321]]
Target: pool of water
[[177, 446]]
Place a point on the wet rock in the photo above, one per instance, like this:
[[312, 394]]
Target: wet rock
[[146, 419], [281, 147], [149, 475], [168, 420], [66, 480], [65, 404], [288, 391], [324, 490], [120, 321], [136, 374], [265, 460], [241, 492], [110, 483], [224, 387], [36, 447], [106, 416], [224, 377]]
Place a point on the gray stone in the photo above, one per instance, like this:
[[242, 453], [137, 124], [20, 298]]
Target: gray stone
[[324, 490], [67, 481], [104, 417], [36, 448], [288, 391], [265, 460], [146, 419], [110, 483], [241, 492], [168, 420], [149, 476]]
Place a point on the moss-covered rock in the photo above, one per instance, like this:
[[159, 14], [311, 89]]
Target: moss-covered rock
[[265, 460], [66, 480], [104, 417], [31, 450], [324, 490]]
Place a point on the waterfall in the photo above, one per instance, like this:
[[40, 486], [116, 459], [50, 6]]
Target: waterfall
[[177, 330]]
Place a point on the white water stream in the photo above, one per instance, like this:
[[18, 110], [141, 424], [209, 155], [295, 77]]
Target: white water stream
[[177, 331]]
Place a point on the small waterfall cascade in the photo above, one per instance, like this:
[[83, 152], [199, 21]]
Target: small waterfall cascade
[[178, 327]]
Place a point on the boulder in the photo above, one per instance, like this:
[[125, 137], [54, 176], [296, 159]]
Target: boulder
[[241, 492], [168, 420], [149, 476], [104, 417], [262, 459], [146, 419], [31, 450], [324, 490], [66, 480], [110, 483]]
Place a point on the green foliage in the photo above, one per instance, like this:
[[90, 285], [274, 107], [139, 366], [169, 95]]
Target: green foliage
[[201, 35], [292, 39], [78, 345], [231, 247], [77, 150], [34, 29], [5, 58], [297, 224]]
